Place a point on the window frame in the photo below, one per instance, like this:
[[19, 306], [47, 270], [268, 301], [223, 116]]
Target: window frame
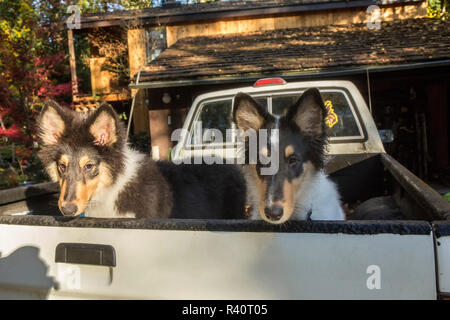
[[147, 41]]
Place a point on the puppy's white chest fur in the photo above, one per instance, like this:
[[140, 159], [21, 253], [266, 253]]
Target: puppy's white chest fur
[[103, 203], [319, 197]]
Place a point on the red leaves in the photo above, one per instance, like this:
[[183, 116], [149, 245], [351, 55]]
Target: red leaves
[[14, 132], [47, 69], [33, 68]]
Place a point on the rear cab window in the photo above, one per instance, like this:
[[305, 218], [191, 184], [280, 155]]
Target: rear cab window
[[343, 123]]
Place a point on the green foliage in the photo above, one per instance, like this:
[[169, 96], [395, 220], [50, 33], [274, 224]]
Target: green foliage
[[447, 196], [18, 166], [82, 56], [438, 9], [136, 4], [123, 116], [96, 6]]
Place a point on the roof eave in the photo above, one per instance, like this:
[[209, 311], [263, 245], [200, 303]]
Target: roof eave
[[289, 75]]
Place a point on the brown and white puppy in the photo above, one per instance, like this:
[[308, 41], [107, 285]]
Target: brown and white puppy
[[299, 189], [100, 175]]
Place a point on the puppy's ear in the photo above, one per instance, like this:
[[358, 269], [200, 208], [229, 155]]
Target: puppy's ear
[[51, 123], [247, 113], [308, 113], [104, 125]]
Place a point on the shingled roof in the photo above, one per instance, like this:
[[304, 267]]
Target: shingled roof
[[302, 50]]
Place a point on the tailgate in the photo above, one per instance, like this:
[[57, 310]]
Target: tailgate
[[181, 259], [442, 235]]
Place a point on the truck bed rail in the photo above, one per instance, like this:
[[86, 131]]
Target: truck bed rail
[[429, 199]]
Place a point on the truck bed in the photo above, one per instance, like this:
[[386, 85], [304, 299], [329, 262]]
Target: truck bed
[[44, 255], [374, 183]]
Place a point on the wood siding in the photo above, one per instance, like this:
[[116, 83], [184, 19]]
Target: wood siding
[[304, 19], [136, 55]]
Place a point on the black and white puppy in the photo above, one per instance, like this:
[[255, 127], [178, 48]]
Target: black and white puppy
[[100, 175], [299, 189]]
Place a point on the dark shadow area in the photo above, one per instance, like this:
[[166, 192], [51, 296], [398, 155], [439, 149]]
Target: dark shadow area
[[38, 199], [358, 177], [378, 208], [23, 275], [365, 191], [43, 204]]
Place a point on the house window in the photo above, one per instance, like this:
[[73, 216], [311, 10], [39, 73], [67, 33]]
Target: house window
[[156, 42]]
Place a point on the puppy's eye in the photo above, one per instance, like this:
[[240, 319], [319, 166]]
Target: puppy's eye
[[292, 161], [62, 167], [88, 166]]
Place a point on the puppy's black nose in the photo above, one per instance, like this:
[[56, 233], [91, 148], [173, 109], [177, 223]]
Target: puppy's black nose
[[69, 209], [274, 212]]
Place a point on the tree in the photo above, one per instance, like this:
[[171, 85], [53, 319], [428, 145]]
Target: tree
[[439, 9], [94, 6], [32, 69]]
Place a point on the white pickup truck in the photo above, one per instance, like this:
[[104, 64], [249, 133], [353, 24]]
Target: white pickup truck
[[45, 255]]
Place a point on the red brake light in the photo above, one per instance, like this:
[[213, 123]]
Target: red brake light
[[269, 81]]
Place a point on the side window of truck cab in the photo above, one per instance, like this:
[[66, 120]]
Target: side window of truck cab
[[215, 116]]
